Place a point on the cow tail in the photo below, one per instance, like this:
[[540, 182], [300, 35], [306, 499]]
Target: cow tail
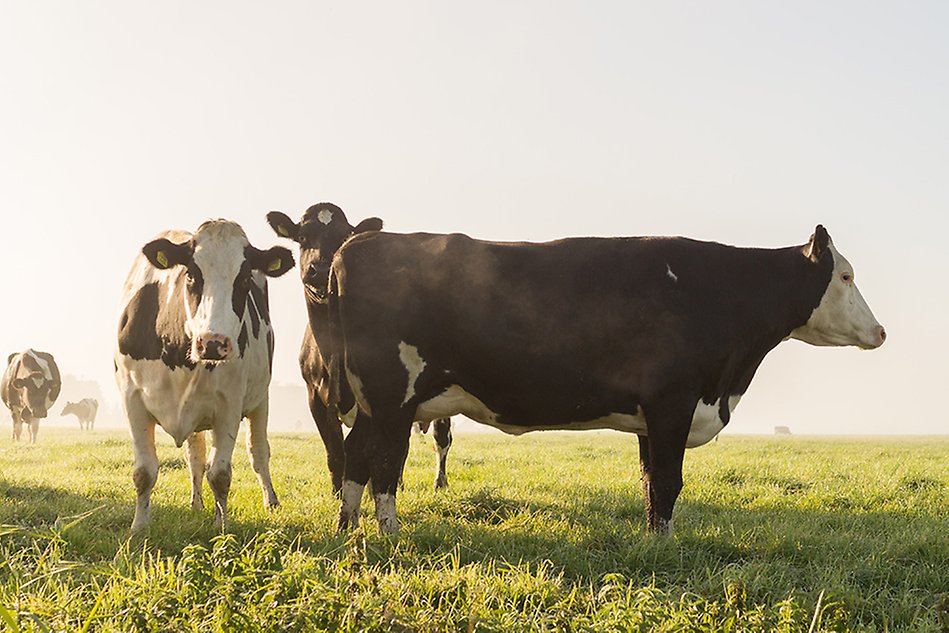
[[335, 355]]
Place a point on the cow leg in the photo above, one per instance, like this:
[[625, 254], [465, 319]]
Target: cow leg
[[17, 427], [332, 433], [387, 448], [258, 450], [442, 437], [197, 463], [34, 430], [646, 475], [668, 427], [145, 469], [356, 473], [223, 438]]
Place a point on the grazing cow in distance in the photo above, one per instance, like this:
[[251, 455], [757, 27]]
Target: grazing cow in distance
[[30, 386], [194, 353], [320, 232], [657, 336], [85, 411]]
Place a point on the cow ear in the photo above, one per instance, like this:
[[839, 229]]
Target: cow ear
[[369, 224], [164, 254], [273, 262], [19, 383], [818, 244], [10, 358], [283, 225]]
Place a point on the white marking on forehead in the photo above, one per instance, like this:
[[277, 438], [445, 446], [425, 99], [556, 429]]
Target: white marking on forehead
[[38, 381], [414, 364], [325, 216], [671, 275]]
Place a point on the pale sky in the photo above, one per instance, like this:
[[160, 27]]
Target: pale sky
[[740, 122]]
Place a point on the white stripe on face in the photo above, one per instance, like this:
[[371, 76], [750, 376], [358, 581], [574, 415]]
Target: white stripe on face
[[843, 316]]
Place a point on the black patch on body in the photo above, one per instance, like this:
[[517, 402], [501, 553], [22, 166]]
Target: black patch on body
[[242, 340], [567, 331], [150, 329]]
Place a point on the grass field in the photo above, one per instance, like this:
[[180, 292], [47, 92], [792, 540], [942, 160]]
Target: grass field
[[543, 532]]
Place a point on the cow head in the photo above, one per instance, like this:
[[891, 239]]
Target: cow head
[[219, 263], [843, 316], [320, 233], [34, 388], [69, 408]]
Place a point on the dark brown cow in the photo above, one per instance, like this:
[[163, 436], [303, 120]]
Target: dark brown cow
[[654, 336], [320, 232]]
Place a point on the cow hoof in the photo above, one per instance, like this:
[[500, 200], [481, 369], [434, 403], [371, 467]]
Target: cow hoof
[[441, 483]]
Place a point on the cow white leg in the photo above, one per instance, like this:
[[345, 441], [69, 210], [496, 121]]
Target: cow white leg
[[34, 430], [356, 474], [441, 436], [145, 469], [17, 427], [258, 450], [223, 436], [197, 463], [387, 448]]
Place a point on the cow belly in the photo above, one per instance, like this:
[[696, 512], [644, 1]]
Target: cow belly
[[706, 421], [455, 400]]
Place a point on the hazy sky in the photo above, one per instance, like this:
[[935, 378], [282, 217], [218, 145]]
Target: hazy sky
[[746, 123]]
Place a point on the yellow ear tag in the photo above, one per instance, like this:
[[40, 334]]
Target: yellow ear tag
[[283, 232], [162, 259], [274, 265]]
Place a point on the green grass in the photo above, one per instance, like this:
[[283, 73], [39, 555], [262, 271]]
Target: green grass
[[543, 532]]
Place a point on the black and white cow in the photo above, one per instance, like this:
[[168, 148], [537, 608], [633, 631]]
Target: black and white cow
[[30, 386], [655, 336], [320, 232], [194, 353], [85, 411]]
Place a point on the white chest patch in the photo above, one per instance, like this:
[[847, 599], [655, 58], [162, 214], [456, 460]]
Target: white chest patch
[[671, 275], [325, 216], [414, 365], [706, 423]]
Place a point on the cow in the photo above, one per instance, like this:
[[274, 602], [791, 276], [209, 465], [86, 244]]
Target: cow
[[657, 336], [319, 234], [85, 411], [194, 352], [30, 386]]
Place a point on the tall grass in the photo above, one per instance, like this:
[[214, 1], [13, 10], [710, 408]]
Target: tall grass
[[543, 532]]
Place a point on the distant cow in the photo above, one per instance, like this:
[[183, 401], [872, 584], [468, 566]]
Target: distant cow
[[320, 232], [85, 411], [655, 336], [30, 386], [194, 353], [782, 430]]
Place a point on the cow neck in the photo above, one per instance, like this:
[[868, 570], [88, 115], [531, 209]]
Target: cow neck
[[789, 287]]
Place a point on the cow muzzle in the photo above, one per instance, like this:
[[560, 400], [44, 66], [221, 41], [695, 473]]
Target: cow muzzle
[[213, 347], [876, 339]]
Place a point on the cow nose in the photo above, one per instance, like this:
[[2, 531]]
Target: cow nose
[[213, 347], [316, 275], [881, 335]]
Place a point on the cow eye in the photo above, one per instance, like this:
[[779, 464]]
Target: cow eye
[[847, 278]]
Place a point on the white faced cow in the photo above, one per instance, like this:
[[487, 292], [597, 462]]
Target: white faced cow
[[194, 353], [654, 336], [85, 411], [30, 386]]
